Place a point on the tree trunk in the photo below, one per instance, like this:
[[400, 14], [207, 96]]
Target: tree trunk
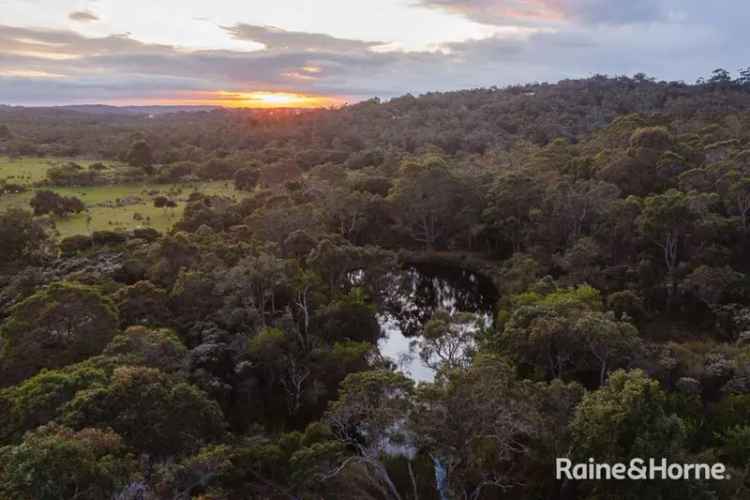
[[413, 478]]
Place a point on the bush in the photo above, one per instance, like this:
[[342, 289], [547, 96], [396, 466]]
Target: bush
[[140, 155], [47, 202], [73, 174], [373, 184], [55, 462], [102, 238], [11, 188], [58, 326], [73, 245], [245, 179], [38, 400], [216, 170], [131, 271], [177, 171], [651, 138], [21, 237], [141, 346], [143, 304], [146, 233], [348, 320], [153, 412]]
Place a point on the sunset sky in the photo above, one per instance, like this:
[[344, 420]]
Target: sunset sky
[[307, 53]]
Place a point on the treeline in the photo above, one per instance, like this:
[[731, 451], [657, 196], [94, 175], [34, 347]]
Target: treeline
[[463, 122]]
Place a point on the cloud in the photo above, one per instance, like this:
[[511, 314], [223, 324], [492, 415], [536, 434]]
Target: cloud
[[83, 16], [102, 65], [278, 39], [508, 12], [58, 44]]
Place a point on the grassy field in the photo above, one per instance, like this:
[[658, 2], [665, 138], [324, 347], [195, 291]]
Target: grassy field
[[26, 171], [123, 206]]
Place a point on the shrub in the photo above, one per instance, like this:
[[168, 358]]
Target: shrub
[[58, 326], [75, 244], [55, 462], [102, 238]]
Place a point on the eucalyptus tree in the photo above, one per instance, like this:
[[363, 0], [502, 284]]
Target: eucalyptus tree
[[370, 419], [431, 202], [57, 326], [448, 340], [476, 424], [667, 221]]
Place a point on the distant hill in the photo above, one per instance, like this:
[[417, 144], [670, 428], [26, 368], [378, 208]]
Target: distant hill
[[101, 109], [467, 122]]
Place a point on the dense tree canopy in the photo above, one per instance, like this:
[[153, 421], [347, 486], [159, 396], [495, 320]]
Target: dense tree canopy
[[241, 354]]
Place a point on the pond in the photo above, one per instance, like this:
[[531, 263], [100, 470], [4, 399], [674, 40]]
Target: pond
[[414, 294]]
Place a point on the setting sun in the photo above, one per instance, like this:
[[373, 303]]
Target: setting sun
[[257, 99], [278, 100], [272, 99]]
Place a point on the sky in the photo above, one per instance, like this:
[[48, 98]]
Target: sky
[[311, 53]]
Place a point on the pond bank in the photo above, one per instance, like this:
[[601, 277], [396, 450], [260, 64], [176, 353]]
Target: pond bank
[[474, 262]]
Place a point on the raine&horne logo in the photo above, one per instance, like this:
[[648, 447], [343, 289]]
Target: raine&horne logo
[[638, 469]]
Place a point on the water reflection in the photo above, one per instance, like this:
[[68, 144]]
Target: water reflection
[[411, 298]]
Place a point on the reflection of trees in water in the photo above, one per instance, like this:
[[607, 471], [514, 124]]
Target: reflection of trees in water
[[415, 293]]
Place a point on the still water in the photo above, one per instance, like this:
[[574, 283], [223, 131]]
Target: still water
[[413, 295]]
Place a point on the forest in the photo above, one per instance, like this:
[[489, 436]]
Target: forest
[[426, 298]]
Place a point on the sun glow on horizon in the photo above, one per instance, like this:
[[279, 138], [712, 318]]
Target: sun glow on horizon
[[255, 99]]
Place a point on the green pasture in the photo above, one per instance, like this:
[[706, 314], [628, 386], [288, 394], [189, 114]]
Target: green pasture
[[25, 171], [122, 206]]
